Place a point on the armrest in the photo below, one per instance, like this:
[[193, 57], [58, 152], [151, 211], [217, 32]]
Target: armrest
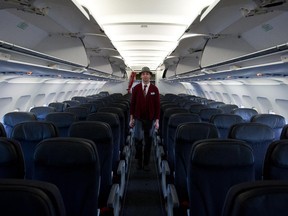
[[126, 153], [122, 172], [159, 155], [164, 172], [172, 199], [114, 199]]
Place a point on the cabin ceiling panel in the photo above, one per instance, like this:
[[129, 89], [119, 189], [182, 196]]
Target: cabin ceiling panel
[[144, 21]]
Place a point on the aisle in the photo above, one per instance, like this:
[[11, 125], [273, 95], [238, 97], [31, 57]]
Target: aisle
[[143, 194]]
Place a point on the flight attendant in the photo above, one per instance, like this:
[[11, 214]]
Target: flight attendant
[[144, 116]]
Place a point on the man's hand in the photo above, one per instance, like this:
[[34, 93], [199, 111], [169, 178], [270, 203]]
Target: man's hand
[[132, 123], [156, 124]]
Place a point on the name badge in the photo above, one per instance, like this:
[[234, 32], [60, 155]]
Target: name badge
[[152, 93]]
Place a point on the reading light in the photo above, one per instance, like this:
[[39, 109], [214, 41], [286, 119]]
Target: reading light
[[140, 30]]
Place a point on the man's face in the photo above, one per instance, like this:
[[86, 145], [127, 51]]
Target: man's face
[[145, 76]]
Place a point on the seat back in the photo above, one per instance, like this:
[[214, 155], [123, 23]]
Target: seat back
[[11, 159], [30, 197], [62, 121], [284, 132], [100, 133], [206, 113], [245, 113], [223, 122], [215, 104], [122, 120], [80, 112], [276, 122], [29, 134], [2, 131], [113, 120], [257, 198], [92, 107], [166, 115], [72, 103], [258, 136], [41, 111], [59, 106], [185, 136], [276, 161], [81, 99], [72, 165], [195, 108], [214, 166], [12, 118], [228, 108], [173, 122]]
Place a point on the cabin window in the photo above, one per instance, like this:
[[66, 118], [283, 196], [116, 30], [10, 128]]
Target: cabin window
[[265, 104], [39, 100], [23, 102]]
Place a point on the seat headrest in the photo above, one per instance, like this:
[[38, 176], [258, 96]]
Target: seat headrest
[[177, 118], [226, 120], [61, 119], [222, 153], [13, 118], [34, 131], [279, 154], [111, 118], [272, 120], [65, 152], [94, 130], [254, 132], [190, 132]]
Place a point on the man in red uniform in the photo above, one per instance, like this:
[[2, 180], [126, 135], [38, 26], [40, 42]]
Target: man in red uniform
[[144, 115]]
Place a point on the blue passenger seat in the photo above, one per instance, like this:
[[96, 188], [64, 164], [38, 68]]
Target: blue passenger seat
[[42, 111], [71, 164], [29, 134], [2, 130], [284, 132], [101, 134], [214, 166], [72, 103], [276, 122], [223, 122], [228, 108], [59, 106], [80, 112], [167, 167], [113, 120], [276, 161], [62, 121], [12, 118], [11, 159], [30, 197], [186, 135], [258, 136], [206, 113], [245, 113], [257, 198]]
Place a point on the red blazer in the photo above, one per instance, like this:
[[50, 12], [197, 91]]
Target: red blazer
[[146, 108]]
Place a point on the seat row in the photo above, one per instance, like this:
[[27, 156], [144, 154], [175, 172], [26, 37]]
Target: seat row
[[214, 167], [80, 133], [183, 131]]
